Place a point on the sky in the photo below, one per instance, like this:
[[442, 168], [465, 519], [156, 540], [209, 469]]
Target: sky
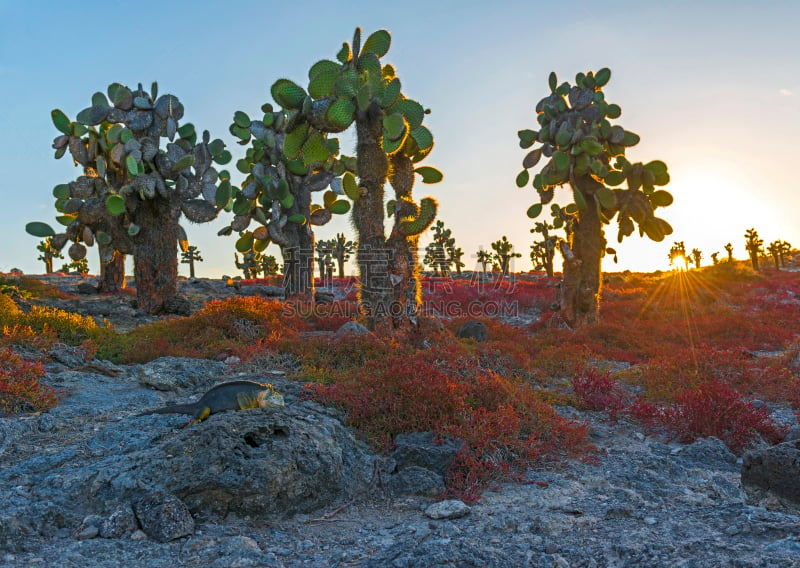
[[711, 86]]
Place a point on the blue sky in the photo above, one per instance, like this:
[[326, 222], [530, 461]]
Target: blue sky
[[712, 88]]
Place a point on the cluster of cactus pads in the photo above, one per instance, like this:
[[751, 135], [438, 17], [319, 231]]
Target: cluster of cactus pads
[[576, 134], [128, 178], [357, 89]]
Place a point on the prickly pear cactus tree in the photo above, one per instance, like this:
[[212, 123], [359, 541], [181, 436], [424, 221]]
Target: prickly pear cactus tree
[[503, 253], [391, 139], [342, 249], [584, 150], [134, 191], [287, 162], [754, 246]]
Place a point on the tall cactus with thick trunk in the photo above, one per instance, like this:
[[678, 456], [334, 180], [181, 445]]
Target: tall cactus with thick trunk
[[133, 191], [287, 162], [391, 138], [587, 152]]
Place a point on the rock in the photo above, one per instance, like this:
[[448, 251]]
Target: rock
[[416, 480], [261, 290], [449, 509], [324, 297], [473, 330], [178, 305], [350, 328], [119, 523], [773, 475], [425, 450], [265, 463], [705, 450], [84, 288], [173, 373], [68, 355], [163, 517]]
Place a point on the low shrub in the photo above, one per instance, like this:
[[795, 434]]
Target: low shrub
[[20, 389]]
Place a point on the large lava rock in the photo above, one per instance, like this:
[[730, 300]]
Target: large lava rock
[[771, 476]]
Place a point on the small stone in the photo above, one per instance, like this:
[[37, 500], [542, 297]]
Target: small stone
[[650, 520], [350, 328], [732, 530], [163, 517], [138, 535], [88, 532], [449, 509]]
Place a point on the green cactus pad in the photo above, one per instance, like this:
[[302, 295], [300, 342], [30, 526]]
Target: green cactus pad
[[534, 210], [606, 198], [223, 195], [294, 140], [350, 186], [115, 204], [339, 207], [561, 160], [347, 84], [613, 111], [522, 178], [344, 53], [390, 93], [423, 137], [370, 70], [552, 81], [288, 94], [323, 76], [390, 207], [411, 109], [39, 229], [103, 238], [298, 219], [578, 198], [427, 213], [364, 97], [60, 120], [661, 198], [241, 119], [340, 113], [245, 242], [287, 201], [315, 149], [61, 191], [630, 139], [184, 162], [122, 98], [392, 146], [378, 43], [394, 126], [429, 174], [602, 77], [297, 167]]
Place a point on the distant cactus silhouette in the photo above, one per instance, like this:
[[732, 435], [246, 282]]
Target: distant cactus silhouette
[[503, 253], [754, 246], [190, 256]]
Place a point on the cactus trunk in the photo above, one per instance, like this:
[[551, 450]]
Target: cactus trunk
[[156, 254], [579, 296], [48, 264], [298, 253], [403, 255], [372, 256], [112, 273]]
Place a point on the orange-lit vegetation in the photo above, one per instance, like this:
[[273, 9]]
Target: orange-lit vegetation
[[683, 353], [20, 390]]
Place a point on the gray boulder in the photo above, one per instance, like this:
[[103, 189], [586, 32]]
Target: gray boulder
[[473, 330], [173, 373], [426, 450], [163, 517], [771, 476]]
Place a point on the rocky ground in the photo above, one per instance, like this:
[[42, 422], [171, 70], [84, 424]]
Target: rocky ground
[[70, 478]]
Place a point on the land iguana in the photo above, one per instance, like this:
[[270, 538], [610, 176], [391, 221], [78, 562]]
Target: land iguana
[[233, 395]]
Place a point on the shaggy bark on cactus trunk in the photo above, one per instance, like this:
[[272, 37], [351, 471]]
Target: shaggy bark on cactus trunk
[[155, 254], [112, 273], [406, 295], [297, 247], [374, 294], [579, 296]]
